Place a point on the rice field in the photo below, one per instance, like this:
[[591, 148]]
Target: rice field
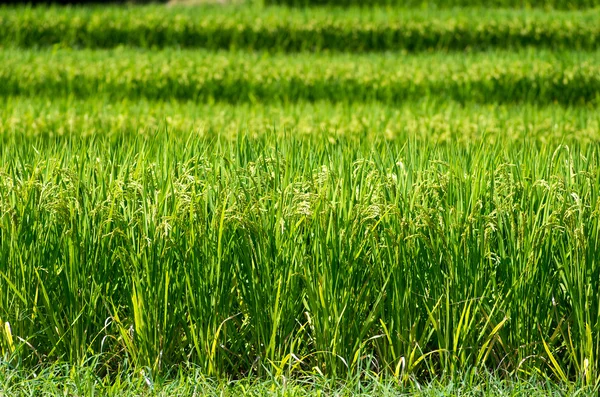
[[294, 198], [283, 29]]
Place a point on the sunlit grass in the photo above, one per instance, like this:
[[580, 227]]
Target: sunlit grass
[[424, 120], [538, 77], [305, 254]]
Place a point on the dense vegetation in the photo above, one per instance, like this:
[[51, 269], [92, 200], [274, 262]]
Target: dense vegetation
[[359, 213], [532, 76], [283, 29], [559, 4], [443, 122], [330, 251]]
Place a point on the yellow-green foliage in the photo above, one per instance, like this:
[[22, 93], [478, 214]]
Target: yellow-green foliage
[[530, 76], [425, 120], [436, 4]]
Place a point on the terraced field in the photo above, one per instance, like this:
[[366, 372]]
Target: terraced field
[[384, 197]]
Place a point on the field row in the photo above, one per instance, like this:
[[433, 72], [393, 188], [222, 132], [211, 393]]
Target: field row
[[533, 76], [281, 29], [560, 4], [284, 256], [421, 121]]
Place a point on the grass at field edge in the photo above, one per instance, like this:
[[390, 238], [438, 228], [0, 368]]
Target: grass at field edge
[[84, 381]]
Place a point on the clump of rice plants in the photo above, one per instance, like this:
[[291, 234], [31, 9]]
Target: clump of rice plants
[[538, 77], [281, 29], [424, 120], [247, 256]]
